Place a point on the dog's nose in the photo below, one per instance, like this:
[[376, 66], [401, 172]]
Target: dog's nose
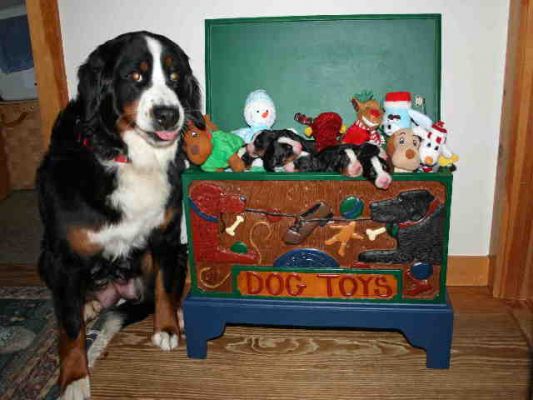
[[166, 117], [410, 153]]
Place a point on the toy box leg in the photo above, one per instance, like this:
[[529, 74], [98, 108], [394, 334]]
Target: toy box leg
[[433, 333], [201, 325], [440, 343]]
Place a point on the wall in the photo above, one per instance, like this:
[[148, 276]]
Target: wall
[[17, 85], [473, 53]]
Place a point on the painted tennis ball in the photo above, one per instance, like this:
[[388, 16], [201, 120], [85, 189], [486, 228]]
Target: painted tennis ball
[[239, 248], [421, 270], [352, 207]]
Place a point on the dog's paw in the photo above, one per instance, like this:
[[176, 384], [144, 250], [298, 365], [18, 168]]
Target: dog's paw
[[383, 181], [91, 310], [166, 341], [78, 390]]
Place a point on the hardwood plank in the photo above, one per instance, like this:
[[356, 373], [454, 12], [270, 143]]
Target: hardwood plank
[[19, 275], [490, 360]]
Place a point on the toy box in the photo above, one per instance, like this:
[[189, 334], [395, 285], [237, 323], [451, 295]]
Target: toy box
[[318, 249]]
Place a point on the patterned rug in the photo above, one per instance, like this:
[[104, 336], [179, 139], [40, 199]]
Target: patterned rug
[[28, 344]]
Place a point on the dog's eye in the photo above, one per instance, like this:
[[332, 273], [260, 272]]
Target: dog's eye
[[401, 141], [415, 142], [174, 76], [136, 76], [436, 147], [194, 134], [428, 145]]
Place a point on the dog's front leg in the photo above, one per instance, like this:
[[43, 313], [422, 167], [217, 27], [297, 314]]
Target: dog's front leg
[[170, 271], [74, 370]]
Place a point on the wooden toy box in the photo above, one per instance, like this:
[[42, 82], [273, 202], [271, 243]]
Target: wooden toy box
[[247, 265], [335, 275]]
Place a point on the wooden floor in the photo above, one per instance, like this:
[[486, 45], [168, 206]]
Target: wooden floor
[[490, 360]]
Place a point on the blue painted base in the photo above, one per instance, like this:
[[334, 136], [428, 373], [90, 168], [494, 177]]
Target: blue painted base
[[428, 326]]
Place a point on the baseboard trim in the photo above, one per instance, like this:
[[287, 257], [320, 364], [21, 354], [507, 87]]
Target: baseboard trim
[[468, 271]]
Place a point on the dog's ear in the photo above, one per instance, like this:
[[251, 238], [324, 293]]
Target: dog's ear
[[91, 83]]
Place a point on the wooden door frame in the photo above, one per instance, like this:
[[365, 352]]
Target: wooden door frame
[[511, 250], [48, 60], [511, 253]]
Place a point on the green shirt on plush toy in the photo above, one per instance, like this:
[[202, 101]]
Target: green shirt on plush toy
[[225, 146]]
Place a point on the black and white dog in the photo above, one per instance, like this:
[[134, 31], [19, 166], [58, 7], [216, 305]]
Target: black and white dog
[[110, 193], [276, 148], [349, 160]]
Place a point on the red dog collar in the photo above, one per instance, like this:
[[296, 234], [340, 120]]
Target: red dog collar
[[121, 158]]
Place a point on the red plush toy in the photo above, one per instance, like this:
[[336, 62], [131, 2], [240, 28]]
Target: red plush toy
[[365, 128], [326, 128]]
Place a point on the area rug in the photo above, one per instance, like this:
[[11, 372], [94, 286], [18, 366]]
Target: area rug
[[28, 344]]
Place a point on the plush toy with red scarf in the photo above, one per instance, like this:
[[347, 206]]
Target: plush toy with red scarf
[[369, 118]]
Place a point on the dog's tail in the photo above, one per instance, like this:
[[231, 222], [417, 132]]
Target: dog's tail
[[112, 321]]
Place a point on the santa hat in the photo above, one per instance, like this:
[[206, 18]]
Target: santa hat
[[438, 128], [397, 100]]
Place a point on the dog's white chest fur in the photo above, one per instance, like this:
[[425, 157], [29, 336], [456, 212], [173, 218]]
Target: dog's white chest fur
[[141, 195]]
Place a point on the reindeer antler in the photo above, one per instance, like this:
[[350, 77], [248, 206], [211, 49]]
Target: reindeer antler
[[303, 119]]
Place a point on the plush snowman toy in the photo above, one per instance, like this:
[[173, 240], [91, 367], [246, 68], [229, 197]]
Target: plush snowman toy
[[259, 114], [396, 116]]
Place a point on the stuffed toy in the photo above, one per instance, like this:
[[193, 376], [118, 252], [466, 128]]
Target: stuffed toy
[[212, 149], [259, 114], [397, 106], [365, 128], [403, 150], [326, 128], [434, 152], [347, 159]]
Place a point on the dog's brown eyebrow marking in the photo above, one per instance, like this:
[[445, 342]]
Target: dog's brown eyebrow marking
[[144, 66], [168, 61]]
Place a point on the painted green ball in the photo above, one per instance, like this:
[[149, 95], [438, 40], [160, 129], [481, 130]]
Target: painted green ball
[[352, 207], [239, 248]]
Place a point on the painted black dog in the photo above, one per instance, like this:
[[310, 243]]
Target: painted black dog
[[418, 217]]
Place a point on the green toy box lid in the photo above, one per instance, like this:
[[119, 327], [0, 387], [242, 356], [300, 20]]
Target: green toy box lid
[[317, 63]]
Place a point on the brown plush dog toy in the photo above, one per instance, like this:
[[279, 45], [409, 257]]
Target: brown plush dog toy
[[212, 149], [402, 149]]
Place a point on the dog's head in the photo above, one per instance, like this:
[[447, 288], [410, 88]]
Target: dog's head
[[197, 142], [402, 148], [369, 112], [407, 206], [278, 147], [138, 82]]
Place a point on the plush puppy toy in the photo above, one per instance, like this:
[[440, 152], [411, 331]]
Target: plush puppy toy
[[349, 160], [403, 150], [276, 148]]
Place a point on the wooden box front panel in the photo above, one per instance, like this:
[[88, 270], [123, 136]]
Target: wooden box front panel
[[269, 204]]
